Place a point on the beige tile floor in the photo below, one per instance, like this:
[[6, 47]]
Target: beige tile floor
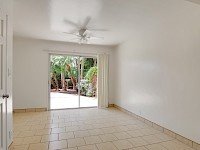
[[87, 129]]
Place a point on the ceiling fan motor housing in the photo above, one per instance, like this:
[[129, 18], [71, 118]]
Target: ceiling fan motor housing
[[81, 32]]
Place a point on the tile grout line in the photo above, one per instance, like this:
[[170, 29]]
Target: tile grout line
[[108, 125], [148, 122]]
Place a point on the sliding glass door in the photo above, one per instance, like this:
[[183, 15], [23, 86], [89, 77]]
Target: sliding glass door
[[88, 82], [73, 82], [64, 79]]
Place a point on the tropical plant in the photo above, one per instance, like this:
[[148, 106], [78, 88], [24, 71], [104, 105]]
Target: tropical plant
[[82, 67], [54, 81], [91, 72], [58, 65], [70, 71], [86, 88], [89, 62], [83, 87], [90, 90]]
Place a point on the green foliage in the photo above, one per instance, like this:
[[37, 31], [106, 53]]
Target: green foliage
[[58, 65], [90, 73], [89, 62], [84, 84], [90, 90], [86, 88]]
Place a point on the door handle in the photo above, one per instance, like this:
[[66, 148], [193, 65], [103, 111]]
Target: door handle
[[5, 96]]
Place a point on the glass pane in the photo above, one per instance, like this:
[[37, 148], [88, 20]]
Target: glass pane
[[88, 82], [64, 79]]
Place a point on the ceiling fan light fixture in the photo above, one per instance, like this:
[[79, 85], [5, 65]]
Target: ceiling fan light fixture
[[83, 33]]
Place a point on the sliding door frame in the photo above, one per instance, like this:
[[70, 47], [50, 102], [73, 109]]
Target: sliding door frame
[[79, 55]]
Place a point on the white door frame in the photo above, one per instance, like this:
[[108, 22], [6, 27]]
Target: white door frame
[[3, 81], [49, 75]]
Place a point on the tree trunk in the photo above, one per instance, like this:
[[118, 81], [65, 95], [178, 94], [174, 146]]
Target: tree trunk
[[71, 76], [53, 84], [63, 80], [82, 68], [73, 82], [56, 81], [95, 62]]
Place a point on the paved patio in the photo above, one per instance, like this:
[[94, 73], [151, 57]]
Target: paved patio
[[64, 100]]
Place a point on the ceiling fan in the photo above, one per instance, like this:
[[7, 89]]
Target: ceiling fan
[[82, 32]]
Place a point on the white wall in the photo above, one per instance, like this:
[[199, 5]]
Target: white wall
[[158, 69], [31, 69]]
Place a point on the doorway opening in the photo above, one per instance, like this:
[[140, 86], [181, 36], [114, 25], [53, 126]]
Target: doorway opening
[[73, 82]]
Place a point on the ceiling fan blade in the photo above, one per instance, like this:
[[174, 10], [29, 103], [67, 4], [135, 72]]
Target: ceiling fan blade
[[74, 39], [96, 38], [72, 23], [87, 20], [195, 1], [91, 29], [71, 33]]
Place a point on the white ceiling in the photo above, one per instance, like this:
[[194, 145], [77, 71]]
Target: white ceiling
[[123, 19]]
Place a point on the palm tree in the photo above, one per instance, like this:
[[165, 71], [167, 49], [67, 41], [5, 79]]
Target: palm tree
[[69, 70], [54, 81], [82, 67], [59, 63], [95, 62]]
